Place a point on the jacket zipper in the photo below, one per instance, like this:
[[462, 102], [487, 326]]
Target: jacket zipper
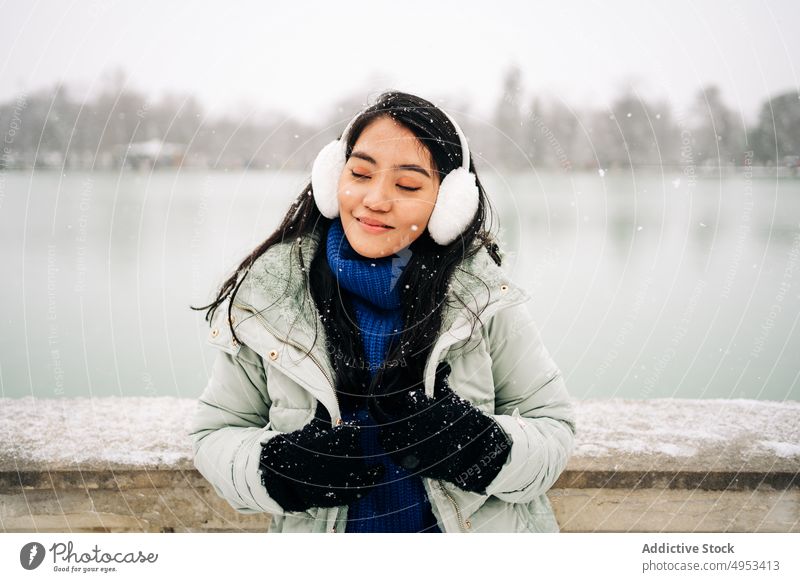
[[455, 505], [287, 340]]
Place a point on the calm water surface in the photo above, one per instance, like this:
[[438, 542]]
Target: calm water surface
[[645, 284]]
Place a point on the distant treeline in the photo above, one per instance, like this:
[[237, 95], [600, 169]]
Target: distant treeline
[[120, 126]]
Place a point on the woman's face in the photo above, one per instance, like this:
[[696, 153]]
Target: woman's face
[[389, 179]]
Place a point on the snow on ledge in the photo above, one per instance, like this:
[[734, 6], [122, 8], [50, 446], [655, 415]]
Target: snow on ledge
[[688, 434], [659, 434]]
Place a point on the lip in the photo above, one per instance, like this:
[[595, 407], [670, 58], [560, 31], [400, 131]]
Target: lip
[[373, 225]]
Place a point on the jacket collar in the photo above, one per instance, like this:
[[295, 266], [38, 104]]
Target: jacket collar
[[274, 287]]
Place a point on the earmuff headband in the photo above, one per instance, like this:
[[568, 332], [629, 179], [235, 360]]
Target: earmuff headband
[[456, 202]]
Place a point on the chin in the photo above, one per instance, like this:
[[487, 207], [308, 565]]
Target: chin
[[372, 252]]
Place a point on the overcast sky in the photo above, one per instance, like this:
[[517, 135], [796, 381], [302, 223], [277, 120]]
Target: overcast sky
[[301, 56]]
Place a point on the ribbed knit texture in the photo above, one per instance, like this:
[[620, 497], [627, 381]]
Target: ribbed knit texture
[[399, 503]]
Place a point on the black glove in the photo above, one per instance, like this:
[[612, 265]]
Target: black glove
[[443, 437], [317, 465]]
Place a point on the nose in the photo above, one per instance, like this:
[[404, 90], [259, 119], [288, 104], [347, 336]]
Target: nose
[[379, 193]]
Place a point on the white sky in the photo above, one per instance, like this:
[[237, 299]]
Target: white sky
[[300, 57]]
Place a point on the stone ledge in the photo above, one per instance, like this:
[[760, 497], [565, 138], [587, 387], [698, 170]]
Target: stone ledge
[[652, 465]]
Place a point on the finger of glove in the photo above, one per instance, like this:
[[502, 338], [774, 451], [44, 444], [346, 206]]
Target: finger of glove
[[357, 478], [285, 492], [377, 411], [370, 476], [332, 496], [341, 442], [318, 496], [308, 433], [440, 426], [389, 410], [393, 383]]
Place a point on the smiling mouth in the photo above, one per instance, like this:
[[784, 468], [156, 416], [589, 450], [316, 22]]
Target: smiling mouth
[[374, 225]]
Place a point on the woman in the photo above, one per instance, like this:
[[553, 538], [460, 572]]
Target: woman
[[378, 370]]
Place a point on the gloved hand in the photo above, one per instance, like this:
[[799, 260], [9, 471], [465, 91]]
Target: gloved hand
[[317, 465], [443, 437]]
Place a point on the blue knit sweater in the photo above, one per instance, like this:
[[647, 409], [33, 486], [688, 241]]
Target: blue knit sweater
[[399, 503]]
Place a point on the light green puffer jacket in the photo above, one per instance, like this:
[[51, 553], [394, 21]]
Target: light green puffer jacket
[[265, 385]]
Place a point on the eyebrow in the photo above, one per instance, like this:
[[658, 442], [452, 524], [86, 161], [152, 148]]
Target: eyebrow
[[371, 160]]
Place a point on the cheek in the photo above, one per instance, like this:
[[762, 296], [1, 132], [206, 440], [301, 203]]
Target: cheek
[[415, 216], [421, 209], [346, 192]]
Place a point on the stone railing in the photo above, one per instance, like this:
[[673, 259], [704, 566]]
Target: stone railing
[[124, 464]]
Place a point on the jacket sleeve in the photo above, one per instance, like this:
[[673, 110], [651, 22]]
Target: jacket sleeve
[[229, 424], [531, 405]]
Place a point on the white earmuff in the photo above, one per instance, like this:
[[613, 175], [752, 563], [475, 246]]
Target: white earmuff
[[328, 166], [456, 203]]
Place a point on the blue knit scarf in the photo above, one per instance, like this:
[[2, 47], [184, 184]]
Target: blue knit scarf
[[399, 503]]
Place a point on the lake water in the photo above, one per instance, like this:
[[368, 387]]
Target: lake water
[[645, 284]]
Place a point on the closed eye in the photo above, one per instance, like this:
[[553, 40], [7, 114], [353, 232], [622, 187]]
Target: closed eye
[[365, 177]]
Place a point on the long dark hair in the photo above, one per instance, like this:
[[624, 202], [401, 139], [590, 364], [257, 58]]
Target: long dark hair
[[428, 271]]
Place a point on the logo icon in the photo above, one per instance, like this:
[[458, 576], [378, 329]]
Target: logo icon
[[31, 555]]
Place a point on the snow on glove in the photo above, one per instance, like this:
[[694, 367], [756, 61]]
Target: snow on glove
[[317, 465], [443, 437]]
